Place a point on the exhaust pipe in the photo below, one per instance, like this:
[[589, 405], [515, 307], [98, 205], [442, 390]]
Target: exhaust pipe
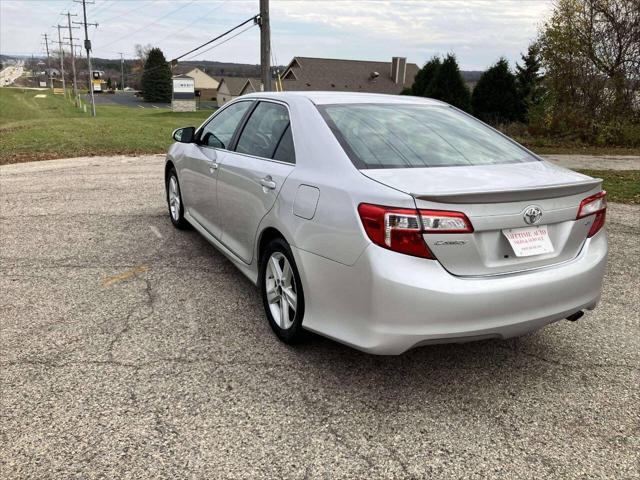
[[576, 316]]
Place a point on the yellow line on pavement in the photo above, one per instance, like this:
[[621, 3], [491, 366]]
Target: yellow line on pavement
[[124, 275]]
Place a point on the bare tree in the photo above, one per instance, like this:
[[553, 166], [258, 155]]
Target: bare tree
[[590, 51]]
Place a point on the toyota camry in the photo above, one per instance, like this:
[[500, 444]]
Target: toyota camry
[[388, 222]]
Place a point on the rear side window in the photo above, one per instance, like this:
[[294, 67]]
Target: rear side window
[[285, 151], [264, 131], [412, 136]]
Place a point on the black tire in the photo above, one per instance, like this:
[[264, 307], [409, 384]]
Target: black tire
[[294, 333], [179, 221]]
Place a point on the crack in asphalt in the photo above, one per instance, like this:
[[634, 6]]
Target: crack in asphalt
[[149, 303]]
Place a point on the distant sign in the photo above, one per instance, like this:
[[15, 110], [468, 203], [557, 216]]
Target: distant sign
[[184, 88]]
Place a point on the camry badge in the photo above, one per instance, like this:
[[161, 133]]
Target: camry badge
[[532, 214]]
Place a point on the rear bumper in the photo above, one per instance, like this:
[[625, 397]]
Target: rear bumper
[[387, 303]]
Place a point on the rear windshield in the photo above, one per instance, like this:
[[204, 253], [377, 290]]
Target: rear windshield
[[414, 136]]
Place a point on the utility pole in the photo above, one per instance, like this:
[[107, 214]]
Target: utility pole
[[87, 46], [73, 58], [265, 46], [46, 43], [121, 71], [61, 50]]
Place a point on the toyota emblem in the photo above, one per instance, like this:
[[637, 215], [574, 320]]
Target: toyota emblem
[[532, 214]]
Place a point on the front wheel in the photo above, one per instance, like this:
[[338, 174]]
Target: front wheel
[[282, 293], [174, 201]]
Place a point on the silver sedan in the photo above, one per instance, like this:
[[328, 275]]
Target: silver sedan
[[388, 222]]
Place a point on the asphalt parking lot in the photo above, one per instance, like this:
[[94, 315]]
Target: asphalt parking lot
[[129, 99], [133, 350]]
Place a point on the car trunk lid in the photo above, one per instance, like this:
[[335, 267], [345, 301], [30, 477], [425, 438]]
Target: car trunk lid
[[495, 198]]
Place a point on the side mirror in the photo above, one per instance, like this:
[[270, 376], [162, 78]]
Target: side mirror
[[184, 135]]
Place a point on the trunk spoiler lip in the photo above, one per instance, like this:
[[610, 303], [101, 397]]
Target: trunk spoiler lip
[[512, 195]]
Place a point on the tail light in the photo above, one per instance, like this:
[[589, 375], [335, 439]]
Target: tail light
[[594, 205], [439, 221], [401, 229]]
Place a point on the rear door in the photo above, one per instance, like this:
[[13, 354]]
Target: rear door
[[251, 176], [201, 163]]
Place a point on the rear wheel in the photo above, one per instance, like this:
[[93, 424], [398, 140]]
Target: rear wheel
[[282, 293], [174, 201]]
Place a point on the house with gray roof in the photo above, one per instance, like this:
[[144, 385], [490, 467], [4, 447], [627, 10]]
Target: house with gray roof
[[232, 87], [308, 73]]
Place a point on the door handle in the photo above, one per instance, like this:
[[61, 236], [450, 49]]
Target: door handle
[[212, 166], [267, 182]]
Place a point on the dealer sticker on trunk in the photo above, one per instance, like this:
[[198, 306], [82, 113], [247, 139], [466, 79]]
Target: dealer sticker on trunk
[[529, 241]]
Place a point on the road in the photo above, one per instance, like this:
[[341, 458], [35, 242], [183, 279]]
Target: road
[[128, 99], [11, 74], [132, 350]]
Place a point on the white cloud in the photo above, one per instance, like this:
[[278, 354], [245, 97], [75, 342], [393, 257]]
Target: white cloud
[[478, 31]]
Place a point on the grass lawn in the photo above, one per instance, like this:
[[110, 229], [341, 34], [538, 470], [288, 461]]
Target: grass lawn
[[45, 128], [621, 185]]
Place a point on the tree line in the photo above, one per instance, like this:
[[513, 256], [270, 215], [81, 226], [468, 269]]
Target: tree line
[[579, 80]]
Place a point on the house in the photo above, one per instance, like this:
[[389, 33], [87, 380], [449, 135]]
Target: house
[[206, 86], [232, 87], [307, 73]]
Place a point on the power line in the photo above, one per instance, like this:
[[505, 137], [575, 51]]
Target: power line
[[87, 46], [252, 19], [210, 48], [124, 13], [102, 7], [73, 56], [46, 43], [198, 19], [222, 42], [148, 25], [61, 50]]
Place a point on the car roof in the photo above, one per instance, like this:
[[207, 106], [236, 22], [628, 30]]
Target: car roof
[[325, 98]]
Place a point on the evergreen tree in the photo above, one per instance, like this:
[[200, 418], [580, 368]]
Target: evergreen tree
[[156, 77], [109, 83], [425, 76], [448, 85], [495, 98], [528, 80]]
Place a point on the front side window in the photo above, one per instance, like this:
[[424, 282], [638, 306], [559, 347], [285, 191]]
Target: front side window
[[219, 131], [412, 136], [264, 130]]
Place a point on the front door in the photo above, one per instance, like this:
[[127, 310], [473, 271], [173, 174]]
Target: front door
[[203, 162], [250, 177]]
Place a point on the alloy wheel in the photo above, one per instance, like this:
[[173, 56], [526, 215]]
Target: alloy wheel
[[280, 286], [174, 198]]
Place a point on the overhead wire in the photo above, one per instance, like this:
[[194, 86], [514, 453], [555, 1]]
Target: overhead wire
[[252, 19], [148, 24], [209, 49], [222, 42], [201, 18]]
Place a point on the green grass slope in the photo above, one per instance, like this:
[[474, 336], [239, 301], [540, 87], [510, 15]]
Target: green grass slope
[[44, 128]]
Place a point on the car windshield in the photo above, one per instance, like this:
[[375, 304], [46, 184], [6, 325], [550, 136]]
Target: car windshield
[[414, 136]]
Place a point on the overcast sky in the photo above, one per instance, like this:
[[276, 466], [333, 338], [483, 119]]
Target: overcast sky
[[477, 31]]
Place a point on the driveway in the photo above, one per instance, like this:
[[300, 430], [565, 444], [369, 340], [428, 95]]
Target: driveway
[[133, 350]]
